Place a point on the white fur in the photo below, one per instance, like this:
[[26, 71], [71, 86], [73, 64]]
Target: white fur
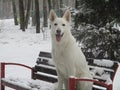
[[68, 57]]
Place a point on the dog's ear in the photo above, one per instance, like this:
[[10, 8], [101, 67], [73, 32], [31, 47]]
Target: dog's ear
[[52, 15], [67, 15]]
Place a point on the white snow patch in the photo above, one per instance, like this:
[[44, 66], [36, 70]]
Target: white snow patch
[[31, 84], [104, 62]]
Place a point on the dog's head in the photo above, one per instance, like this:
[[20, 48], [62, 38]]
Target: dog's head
[[60, 26]]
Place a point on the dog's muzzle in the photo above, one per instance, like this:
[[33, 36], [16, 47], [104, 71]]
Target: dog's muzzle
[[59, 35]]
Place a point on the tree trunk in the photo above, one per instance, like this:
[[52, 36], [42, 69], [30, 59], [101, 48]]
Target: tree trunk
[[76, 16], [61, 6], [25, 4], [76, 4], [33, 14], [45, 24], [28, 13], [37, 16], [1, 9], [53, 4], [21, 13], [49, 5], [14, 12]]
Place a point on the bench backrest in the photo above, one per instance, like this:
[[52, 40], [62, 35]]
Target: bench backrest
[[102, 70], [45, 69]]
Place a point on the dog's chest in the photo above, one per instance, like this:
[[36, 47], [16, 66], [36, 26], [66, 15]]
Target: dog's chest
[[64, 63]]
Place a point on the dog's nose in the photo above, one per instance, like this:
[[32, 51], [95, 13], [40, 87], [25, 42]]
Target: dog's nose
[[58, 31]]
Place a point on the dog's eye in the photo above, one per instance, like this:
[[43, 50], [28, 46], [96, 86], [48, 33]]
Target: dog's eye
[[63, 24], [55, 24]]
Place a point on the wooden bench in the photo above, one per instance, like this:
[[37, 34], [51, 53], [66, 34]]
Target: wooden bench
[[103, 70], [46, 71]]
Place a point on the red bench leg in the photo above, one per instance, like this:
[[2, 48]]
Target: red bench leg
[[71, 83], [110, 87], [2, 74]]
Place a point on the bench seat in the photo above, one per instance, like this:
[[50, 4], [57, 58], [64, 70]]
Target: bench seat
[[27, 84]]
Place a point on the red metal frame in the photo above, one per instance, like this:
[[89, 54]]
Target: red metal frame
[[2, 73], [72, 81], [115, 72]]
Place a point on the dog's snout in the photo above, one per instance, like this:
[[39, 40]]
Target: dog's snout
[[58, 31]]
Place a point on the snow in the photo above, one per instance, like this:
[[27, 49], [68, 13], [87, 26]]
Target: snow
[[24, 47], [116, 26], [21, 47], [31, 84], [104, 62]]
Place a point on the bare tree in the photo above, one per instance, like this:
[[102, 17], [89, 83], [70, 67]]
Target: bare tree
[[21, 13], [28, 13], [37, 16], [53, 4], [33, 13], [1, 8], [77, 3], [50, 5], [45, 24], [14, 12], [61, 7], [56, 6]]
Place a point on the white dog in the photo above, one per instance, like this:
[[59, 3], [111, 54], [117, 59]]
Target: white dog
[[69, 59]]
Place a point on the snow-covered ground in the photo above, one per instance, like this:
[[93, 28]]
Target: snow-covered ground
[[24, 47], [20, 47]]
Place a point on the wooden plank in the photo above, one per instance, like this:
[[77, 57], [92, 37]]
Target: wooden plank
[[44, 60], [45, 54], [44, 77], [96, 87], [46, 69]]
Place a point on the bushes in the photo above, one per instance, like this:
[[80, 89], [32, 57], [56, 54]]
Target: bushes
[[94, 27], [103, 42]]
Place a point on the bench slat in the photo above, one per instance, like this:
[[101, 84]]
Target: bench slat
[[105, 69], [46, 69], [45, 54], [46, 66], [44, 77], [96, 87], [47, 75]]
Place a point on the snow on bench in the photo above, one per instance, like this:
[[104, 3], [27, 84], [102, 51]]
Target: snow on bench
[[28, 84], [41, 73], [103, 71]]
